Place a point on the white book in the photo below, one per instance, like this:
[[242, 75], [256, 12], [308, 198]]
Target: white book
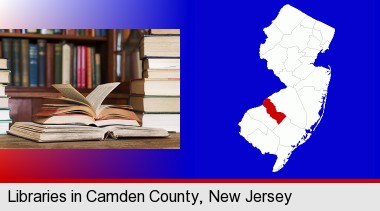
[[66, 63]]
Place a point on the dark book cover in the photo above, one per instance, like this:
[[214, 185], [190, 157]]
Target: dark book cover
[[98, 32], [16, 55], [57, 31], [33, 65], [58, 63], [50, 64], [1, 49], [25, 62], [98, 68], [93, 67], [7, 51], [75, 66], [41, 62]]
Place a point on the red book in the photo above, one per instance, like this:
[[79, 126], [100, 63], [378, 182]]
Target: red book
[[79, 67], [84, 65], [89, 67], [50, 64]]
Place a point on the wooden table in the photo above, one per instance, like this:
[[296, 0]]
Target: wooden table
[[172, 142]]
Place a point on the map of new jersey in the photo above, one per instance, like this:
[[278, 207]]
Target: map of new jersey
[[287, 118]]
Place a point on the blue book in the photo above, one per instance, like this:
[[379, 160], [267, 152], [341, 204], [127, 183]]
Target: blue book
[[33, 65], [98, 32], [41, 62]]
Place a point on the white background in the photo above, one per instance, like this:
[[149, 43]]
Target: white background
[[304, 196]]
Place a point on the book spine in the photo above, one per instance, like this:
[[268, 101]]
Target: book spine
[[58, 63], [41, 62], [25, 62], [83, 65], [66, 63], [7, 51], [1, 51], [93, 74], [16, 71], [33, 65], [79, 67], [31, 31], [89, 67], [75, 66], [98, 69], [50, 64], [57, 31]]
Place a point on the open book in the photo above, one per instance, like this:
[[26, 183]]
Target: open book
[[86, 110], [54, 133]]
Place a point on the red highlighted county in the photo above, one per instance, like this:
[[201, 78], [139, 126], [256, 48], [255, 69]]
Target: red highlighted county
[[272, 111]]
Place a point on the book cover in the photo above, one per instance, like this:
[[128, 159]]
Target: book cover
[[164, 31], [7, 51], [147, 86], [98, 67], [55, 133], [66, 63], [16, 60], [160, 46], [50, 79], [155, 104], [88, 67], [74, 65], [41, 62], [5, 76], [33, 65], [25, 62], [93, 70], [58, 63], [83, 69], [79, 67], [3, 63]]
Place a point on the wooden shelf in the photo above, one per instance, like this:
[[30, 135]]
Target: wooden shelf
[[53, 37]]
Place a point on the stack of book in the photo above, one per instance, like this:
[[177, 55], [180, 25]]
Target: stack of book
[[156, 97], [5, 119], [42, 64], [82, 118]]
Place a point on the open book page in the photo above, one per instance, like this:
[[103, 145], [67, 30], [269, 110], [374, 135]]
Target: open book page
[[132, 131], [97, 96], [69, 91]]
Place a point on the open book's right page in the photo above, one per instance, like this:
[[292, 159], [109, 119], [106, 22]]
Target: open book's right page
[[97, 96]]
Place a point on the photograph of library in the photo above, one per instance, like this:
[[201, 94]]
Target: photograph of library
[[90, 88]]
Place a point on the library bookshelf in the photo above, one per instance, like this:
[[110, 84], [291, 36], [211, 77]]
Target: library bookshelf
[[25, 101]]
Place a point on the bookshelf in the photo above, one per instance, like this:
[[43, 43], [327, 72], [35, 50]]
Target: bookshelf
[[25, 101]]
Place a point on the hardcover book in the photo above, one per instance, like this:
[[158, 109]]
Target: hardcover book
[[86, 110], [41, 62], [3, 63], [33, 65], [16, 58], [155, 104], [160, 46], [55, 133], [25, 62], [162, 86]]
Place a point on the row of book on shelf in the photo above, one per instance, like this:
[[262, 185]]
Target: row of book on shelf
[[156, 97], [42, 64], [5, 119], [71, 32], [154, 102]]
